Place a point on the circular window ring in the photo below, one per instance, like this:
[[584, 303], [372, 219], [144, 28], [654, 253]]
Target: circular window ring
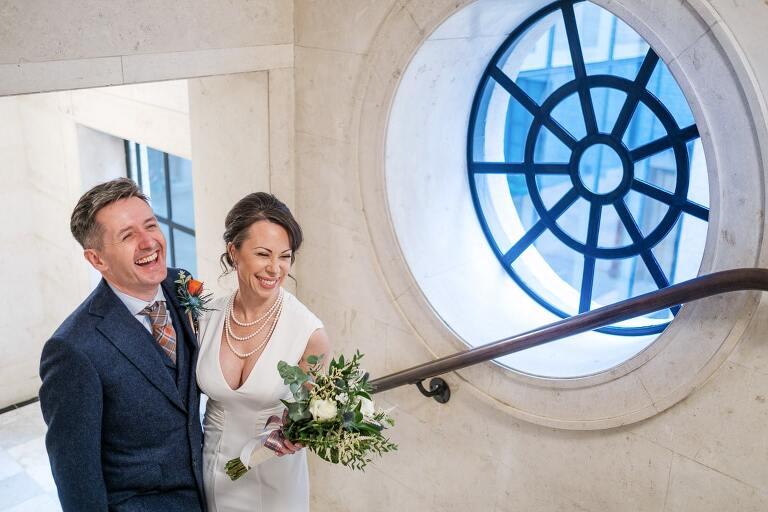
[[702, 336]]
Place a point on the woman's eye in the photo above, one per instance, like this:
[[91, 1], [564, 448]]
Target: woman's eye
[[286, 256]]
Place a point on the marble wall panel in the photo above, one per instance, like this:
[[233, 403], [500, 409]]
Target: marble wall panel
[[282, 175], [343, 25], [326, 81], [344, 269], [229, 132], [328, 187], [26, 77], [166, 129], [59, 30], [694, 487], [168, 66], [720, 425]]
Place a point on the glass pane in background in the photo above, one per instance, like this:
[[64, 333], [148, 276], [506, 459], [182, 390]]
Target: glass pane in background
[[157, 189], [180, 170], [185, 251]]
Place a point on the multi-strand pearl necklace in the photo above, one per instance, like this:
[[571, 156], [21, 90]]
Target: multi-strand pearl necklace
[[273, 313]]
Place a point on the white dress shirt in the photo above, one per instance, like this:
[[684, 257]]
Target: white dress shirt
[[136, 306]]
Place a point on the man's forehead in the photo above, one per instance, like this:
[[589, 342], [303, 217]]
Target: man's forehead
[[124, 214]]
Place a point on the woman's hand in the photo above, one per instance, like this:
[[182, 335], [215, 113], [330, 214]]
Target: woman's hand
[[287, 448]]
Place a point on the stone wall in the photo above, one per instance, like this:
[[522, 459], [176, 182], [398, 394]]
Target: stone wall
[[705, 453]]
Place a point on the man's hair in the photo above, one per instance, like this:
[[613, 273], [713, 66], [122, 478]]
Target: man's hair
[[86, 230]]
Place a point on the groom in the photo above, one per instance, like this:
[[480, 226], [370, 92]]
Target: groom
[[119, 393]]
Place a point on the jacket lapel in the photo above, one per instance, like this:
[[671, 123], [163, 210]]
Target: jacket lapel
[[130, 338], [169, 289]]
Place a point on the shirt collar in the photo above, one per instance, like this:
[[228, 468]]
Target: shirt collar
[[134, 305]]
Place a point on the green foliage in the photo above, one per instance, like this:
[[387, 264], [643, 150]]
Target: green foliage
[[349, 438]]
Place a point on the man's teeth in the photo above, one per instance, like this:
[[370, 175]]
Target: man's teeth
[[150, 258]]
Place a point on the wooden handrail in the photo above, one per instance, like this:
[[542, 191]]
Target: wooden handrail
[[701, 287]]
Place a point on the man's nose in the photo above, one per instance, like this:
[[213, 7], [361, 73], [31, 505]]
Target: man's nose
[[145, 239]]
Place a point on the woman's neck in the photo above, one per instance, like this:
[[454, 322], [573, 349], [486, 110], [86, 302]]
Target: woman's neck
[[250, 306]]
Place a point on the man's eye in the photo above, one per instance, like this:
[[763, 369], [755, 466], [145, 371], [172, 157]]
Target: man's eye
[[286, 256], [152, 226], [126, 237]]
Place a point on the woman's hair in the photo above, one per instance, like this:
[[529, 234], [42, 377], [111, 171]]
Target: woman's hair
[[251, 209]]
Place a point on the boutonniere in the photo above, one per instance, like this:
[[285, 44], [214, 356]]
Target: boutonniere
[[192, 297]]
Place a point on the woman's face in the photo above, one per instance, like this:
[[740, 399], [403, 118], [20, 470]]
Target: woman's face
[[263, 260]]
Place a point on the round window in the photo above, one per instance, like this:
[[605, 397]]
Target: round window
[[585, 165]]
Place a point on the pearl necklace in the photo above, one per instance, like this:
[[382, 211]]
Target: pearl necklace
[[244, 355], [265, 318], [260, 319]]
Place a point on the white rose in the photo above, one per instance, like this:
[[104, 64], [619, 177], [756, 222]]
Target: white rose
[[367, 408], [322, 410], [342, 398]]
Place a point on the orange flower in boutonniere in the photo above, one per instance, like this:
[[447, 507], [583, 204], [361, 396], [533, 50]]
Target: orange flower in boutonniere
[[192, 297], [194, 287]]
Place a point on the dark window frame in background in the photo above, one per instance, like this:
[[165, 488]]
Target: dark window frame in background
[[136, 172]]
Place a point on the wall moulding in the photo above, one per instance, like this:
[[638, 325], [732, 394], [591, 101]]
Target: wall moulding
[[714, 73]]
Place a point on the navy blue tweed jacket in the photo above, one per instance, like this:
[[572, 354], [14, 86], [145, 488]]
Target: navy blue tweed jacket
[[123, 423]]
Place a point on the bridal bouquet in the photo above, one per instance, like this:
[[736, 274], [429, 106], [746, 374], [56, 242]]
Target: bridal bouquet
[[331, 414]]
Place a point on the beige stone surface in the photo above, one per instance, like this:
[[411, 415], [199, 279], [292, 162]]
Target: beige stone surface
[[27, 77], [173, 65], [325, 92], [697, 488], [282, 115], [344, 25], [230, 157], [62, 30]]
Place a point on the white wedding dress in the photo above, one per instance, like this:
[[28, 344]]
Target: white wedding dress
[[234, 417]]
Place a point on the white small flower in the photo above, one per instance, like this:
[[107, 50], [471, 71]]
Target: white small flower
[[322, 410], [367, 407], [342, 398]]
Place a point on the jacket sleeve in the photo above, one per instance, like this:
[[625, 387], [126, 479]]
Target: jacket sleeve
[[71, 401]]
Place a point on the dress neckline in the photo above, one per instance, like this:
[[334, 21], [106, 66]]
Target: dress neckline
[[220, 342]]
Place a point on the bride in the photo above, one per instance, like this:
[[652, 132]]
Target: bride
[[241, 342]]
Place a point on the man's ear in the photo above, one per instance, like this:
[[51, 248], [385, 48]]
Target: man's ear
[[94, 258]]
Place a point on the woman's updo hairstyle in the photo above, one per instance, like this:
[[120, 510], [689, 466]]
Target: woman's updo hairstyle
[[251, 209]]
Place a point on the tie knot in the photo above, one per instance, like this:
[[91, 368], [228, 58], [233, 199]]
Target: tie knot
[[156, 312]]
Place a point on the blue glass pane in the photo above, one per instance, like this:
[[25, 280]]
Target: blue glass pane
[[568, 114], [550, 149], [644, 127], [180, 170], [663, 85], [518, 124], [157, 190], [540, 62], [491, 130], [608, 103], [186, 257], [660, 170], [579, 167]]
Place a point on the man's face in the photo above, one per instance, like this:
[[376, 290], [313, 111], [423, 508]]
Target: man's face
[[132, 256]]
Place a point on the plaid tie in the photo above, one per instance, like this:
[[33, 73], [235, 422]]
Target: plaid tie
[[162, 329]]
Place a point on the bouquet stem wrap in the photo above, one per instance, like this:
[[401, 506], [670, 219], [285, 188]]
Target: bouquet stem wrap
[[257, 450]]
